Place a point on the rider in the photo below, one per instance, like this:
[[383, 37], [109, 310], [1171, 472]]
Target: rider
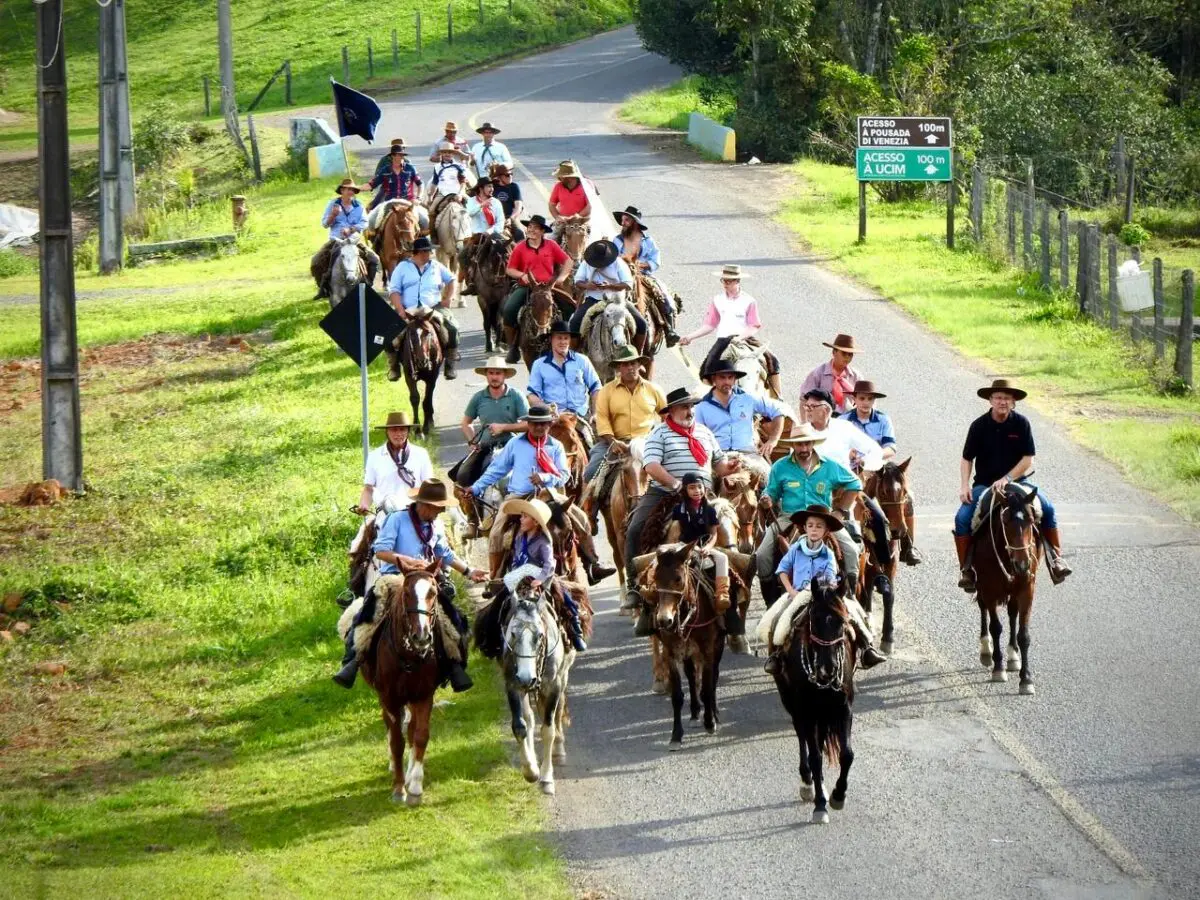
[[533, 461], [532, 545], [535, 260], [394, 467], [345, 218], [569, 197], [395, 177], [728, 412], [450, 174], [487, 217], [508, 192], [837, 376], [421, 280], [851, 447], [498, 407], [565, 380], [603, 273], [489, 151], [733, 314], [456, 143], [1000, 447], [878, 427], [413, 536], [697, 521], [639, 250]]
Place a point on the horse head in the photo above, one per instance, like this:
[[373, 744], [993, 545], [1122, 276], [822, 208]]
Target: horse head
[[614, 319], [414, 619], [674, 586], [525, 631], [826, 645], [1017, 526], [889, 486], [574, 230], [346, 263], [542, 307], [422, 339]]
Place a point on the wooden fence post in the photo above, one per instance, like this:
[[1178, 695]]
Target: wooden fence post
[[510, 2], [977, 192], [418, 35], [254, 157], [1135, 328], [1094, 291], [1187, 324], [287, 82], [370, 59], [449, 23], [1064, 249], [1027, 218], [1011, 222], [346, 66], [1159, 304], [207, 98], [1081, 266], [1045, 239], [862, 211], [1129, 183], [1114, 303], [395, 50], [1118, 164], [480, 12]]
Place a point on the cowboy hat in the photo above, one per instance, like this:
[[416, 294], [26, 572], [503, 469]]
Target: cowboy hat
[[679, 397], [536, 508], [601, 254], [843, 342], [567, 169], [347, 183], [496, 362], [731, 272], [721, 367], [499, 168], [832, 522], [538, 414], [482, 182], [434, 492], [558, 326], [447, 147], [450, 126], [395, 420], [421, 244], [627, 353], [540, 221], [1001, 385], [862, 386], [395, 141], [634, 213], [398, 148], [802, 434], [487, 126]]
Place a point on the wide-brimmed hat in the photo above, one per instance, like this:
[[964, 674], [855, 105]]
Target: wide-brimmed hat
[[1001, 384], [832, 522], [447, 147], [482, 182], [721, 367], [348, 183], [450, 126], [435, 492], [802, 434], [487, 126], [862, 386], [496, 362], [558, 326], [627, 353], [395, 141], [395, 420], [398, 148], [634, 213], [567, 169], [422, 243], [534, 507], [538, 220], [679, 397], [538, 414], [601, 254], [499, 168], [843, 342], [731, 272]]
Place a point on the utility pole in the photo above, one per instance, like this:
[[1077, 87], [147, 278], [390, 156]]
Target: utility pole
[[110, 147], [62, 447], [124, 120], [228, 96]]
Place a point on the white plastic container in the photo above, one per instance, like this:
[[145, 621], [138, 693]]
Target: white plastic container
[[1135, 291]]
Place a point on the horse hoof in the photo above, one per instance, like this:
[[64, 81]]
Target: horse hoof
[[547, 788], [1014, 663], [520, 732], [399, 797], [696, 722], [675, 745], [887, 647], [1027, 689], [560, 757], [985, 659], [710, 727], [530, 775], [659, 686], [820, 817], [836, 802], [807, 793], [413, 799], [999, 676]]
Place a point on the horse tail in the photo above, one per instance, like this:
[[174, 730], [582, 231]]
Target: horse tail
[[830, 742]]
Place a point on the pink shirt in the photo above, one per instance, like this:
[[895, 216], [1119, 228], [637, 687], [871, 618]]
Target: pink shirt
[[730, 316], [823, 378]]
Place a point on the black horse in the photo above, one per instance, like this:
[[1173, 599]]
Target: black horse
[[816, 686]]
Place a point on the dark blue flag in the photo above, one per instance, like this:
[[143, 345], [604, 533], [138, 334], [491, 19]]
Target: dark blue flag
[[357, 113]]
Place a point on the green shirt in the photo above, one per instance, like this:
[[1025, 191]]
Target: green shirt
[[794, 489], [505, 411]]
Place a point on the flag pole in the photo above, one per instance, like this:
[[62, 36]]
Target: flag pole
[[346, 159], [362, 363]]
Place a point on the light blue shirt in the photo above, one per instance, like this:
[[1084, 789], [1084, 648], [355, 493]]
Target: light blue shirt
[[801, 569], [486, 155], [399, 536], [520, 459], [479, 223], [420, 287], [734, 425], [878, 426], [355, 218], [569, 385], [647, 254], [617, 273]]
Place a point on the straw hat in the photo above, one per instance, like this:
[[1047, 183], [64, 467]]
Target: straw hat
[[843, 342], [627, 353], [567, 169], [1001, 384], [802, 434], [731, 272], [496, 362], [832, 522], [347, 183], [862, 386], [447, 147], [395, 420], [534, 507], [434, 492], [450, 126]]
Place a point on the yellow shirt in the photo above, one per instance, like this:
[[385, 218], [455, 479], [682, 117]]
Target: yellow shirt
[[625, 413]]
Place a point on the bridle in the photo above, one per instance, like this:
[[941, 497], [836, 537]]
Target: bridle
[[685, 624], [541, 649], [1028, 549], [414, 645], [808, 657]]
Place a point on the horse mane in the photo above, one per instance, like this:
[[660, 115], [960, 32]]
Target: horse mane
[[877, 532], [360, 559], [656, 524]]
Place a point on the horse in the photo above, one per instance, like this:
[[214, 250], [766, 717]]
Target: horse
[[348, 270], [401, 666], [537, 661], [643, 298], [449, 221], [564, 431], [396, 235], [421, 357], [1006, 550], [740, 489], [888, 488], [573, 234], [748, 356], [534, 324], [816, 687], [491, 285], [622, 494], [607, 326]]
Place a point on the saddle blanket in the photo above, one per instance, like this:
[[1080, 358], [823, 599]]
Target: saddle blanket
[[983, 509], [389, 589]]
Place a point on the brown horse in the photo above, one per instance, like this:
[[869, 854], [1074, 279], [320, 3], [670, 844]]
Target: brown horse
[[889, 489], [533, 327], [621, 498], [403, 670], [1006, 550], [573, 236], [399, 231], [491, 285], [565, 432], [740, 489], [421, 358], [877, 564]]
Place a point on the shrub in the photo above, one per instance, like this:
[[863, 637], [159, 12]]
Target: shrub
[[1134, 235], [158, 135]]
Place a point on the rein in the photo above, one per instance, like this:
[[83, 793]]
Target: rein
[[808, 660], [409, 643], [1027, 548]]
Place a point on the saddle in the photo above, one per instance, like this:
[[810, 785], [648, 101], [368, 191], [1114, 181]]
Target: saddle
[[389, 591], [983, 509]]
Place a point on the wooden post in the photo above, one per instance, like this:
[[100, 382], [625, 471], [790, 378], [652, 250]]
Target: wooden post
[[254, 157], [370, 59], [1159, 303], [1011, 221], [480, 12], [287, 82], [419, 42], [862, 212], [1118, 163], [1187, 324], [1027, 218], [346, 66], [1135, 328], [449, 23], [1129, 183], [951, 202], [1044, 234], [1095, 294], [395, 50], [978, 188], [207, 99], [1114, 303], [1064, 249], [1081, 266]]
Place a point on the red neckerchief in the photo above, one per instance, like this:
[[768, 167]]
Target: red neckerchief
[[401, 461], [841, 387], [544, 462], [488, 214], [697, 448]]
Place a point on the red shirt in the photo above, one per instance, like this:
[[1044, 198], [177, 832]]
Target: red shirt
[[569, 202], [541, 261]]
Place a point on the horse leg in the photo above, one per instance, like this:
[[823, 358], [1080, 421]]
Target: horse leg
[[866, 586], [529, 765], [550, 703], [997, 629], [486, 315], [418, 737], [562, 718], [659, 667], [718, 652], [820, 814], [888, 592], [1023, 639], [708, 693], [801, 728], [985, 647], [675, 684], [519, 727], [395, 728], [689, 669], [428, 404], [414, 395], [1014, 655], [837, 799]]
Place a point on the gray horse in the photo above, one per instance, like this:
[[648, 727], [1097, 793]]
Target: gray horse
[[612, 327], [346, 271]]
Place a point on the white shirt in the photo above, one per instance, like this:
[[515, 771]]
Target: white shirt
[[732, 312], [486, 155], [841, 437], [382, 475], [445, 177], [618, 272]]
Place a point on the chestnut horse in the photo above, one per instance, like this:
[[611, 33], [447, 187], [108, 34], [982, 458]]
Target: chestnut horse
[[564, 431], [888, 487], [622, 497], [533, 326], [572, 236], [491, 285], [877, 565], [399, 231]]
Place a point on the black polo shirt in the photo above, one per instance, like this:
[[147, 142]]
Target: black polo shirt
[[508, 195], [996, 447], [694, 523]]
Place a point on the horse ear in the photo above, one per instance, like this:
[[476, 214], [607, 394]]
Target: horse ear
[[436, 567], [903, 467], [1033, 493]]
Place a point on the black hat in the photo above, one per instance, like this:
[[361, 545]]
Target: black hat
[[691, 478], [677, 397], [634, 213], [538, 414], [600, 254], [483, 181], [422, 243], [823, 396], [558, 326], [538, 220], [487, 126], [721, 367]]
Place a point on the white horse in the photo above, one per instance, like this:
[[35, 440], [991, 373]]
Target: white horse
[[345, 272], [749, 359], [537, 660], [609, 325]]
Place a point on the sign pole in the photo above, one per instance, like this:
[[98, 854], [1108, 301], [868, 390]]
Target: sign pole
[[362, 357], [951, 198], [862, 212]]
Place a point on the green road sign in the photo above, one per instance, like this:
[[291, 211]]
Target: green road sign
[[903, 164]]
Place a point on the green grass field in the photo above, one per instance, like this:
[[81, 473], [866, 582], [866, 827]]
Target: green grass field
[[670, 107], [195, 745]]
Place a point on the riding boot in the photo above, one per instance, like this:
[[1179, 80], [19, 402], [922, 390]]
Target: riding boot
[[868, 656], [448, 366], [596, 570], [393, 358], [966, 579], [1058, 567], [514, 349], [633, 600], [909, 555], [774, 663], [349, 670], [575, 629], [721, 593]]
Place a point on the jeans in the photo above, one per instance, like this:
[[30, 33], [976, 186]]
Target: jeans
[[511, 310], [577, 319], [962, 518]]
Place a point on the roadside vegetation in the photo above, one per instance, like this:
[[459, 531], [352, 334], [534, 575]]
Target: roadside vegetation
[[671, 106]]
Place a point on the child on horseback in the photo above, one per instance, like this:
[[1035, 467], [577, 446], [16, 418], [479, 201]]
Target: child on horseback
[[697, 521]]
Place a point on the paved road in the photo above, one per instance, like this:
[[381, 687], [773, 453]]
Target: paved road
[[960, 788]]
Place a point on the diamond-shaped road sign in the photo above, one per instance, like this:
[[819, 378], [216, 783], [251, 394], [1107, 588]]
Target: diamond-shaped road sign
[[342, 324]]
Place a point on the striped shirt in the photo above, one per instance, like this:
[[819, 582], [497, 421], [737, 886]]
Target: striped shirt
[[670, 450]]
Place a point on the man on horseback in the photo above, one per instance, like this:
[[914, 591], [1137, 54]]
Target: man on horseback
[[533, 461], [603, 274], [449, 178], [489, 151], [346, 220], [393, 468], [413, 536], [487, 217], [533, 261], [1000, 448], [569, 197], [456, 143], [508, 192], [565, 380], [423, 281], [395, 178], [499, 407], [728, 412], [733, 314], [836, 377], [851, 447], [641, 252]]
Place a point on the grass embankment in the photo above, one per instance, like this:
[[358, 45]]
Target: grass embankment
[[195, 745], [172, 46], [670, 107]]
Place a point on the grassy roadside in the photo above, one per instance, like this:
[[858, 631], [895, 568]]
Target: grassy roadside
[[194, 744], [1093, 381], [670, 107]]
